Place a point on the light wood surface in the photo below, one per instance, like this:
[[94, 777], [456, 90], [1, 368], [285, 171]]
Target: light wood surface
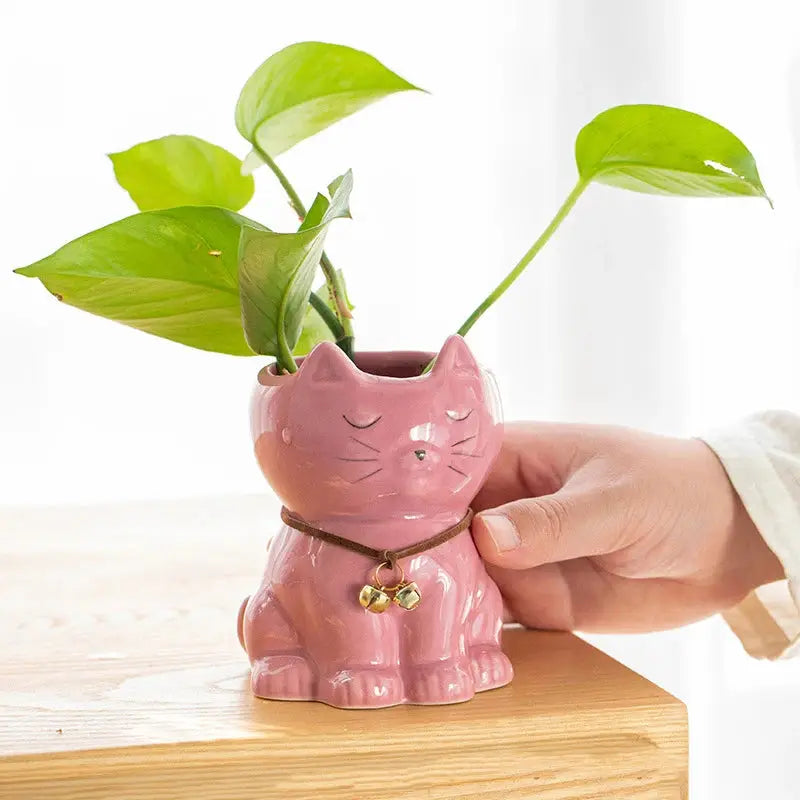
[[121, 677]]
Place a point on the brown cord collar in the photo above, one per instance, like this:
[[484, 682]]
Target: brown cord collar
[[390, 557]]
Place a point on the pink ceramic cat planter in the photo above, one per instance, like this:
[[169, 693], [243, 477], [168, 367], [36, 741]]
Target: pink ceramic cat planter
[[384, 457]]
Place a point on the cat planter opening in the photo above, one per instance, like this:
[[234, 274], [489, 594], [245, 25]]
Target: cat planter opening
[[367, 458]]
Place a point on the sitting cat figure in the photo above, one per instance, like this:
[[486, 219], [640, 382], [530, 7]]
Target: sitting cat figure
[[383, 456]]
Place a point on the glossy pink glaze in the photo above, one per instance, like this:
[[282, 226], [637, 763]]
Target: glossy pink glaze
[[341, 447]]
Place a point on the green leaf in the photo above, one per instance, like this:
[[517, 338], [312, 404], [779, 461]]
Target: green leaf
[[315, 213], [320, 205], [276, 271], [252, 161], [334, 185], [306, 87], [172, 273], [314, 328], [663, 150], [182, 171]]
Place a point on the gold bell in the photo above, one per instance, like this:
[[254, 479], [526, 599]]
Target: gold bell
[[408, 596], [374, 599]]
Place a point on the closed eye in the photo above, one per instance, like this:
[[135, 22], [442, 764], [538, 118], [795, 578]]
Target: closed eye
[[360, 426], [458, 416]]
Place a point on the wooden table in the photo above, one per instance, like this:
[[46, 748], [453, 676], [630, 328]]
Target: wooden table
[[121, 677]]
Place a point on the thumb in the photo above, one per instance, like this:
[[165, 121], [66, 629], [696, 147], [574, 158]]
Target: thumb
[[542, 530]]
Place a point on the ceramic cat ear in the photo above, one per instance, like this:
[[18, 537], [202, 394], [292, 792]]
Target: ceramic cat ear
[[326, 363], [455, 358]]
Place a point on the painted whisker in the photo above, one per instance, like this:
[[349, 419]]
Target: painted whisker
[[342, 458], [374, 449], [462, 441], [364, 477], [460, 472]]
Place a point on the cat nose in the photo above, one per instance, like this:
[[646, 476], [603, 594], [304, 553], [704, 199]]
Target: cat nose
[[419, 459]]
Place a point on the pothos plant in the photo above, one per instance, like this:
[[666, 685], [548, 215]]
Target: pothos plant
[[189, 268]]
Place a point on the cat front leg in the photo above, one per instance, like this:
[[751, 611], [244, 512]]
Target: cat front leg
[[357, 655], [436, 664]]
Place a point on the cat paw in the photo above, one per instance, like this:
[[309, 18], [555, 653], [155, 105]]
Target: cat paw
[[362, 687], [284, 677], [439, 683], [490, 667]]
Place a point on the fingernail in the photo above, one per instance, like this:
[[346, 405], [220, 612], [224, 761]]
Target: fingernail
[[502, 531]]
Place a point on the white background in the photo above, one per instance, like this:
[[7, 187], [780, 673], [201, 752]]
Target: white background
[[674, 315]]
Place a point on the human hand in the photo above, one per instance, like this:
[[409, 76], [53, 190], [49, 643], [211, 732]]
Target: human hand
[[607, 529]]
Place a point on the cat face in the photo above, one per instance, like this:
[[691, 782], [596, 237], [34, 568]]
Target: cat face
[[338, 440]]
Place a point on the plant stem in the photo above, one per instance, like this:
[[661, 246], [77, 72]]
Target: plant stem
[[285, 358], [500, 289], [294, 198], [335, 286], [329, 318]]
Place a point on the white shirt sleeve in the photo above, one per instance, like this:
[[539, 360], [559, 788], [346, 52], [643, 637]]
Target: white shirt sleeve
[[762, 459]]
